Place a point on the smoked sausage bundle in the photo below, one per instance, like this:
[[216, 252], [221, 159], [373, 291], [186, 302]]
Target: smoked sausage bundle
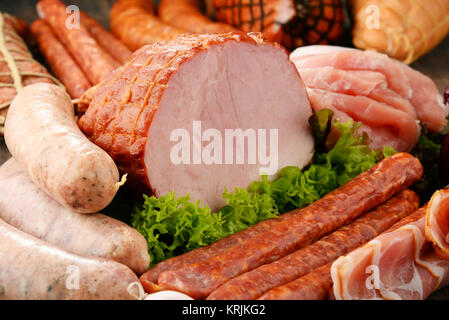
[[31, 269], [317, 284], [149, 279], [28, 208], [134, 22], [253, 284], [92, 59], [187, 15], [105, 39], [17, 66], [334, 210], [59, 59]]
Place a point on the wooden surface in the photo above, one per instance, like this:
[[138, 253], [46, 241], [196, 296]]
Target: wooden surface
[[435, 64]]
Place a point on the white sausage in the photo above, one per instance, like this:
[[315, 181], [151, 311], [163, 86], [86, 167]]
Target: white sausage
[[32, 269], [26, 207], [43, 136]]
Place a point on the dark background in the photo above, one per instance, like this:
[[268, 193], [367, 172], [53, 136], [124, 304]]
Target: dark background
[[435, 64]]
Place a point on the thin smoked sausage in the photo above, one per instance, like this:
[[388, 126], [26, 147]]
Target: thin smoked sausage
[[334, 210], [251, 285]]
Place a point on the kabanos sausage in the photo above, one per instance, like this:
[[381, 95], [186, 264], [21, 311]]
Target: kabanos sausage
[[59, 59], [149, 279], [334, 210], [134, 22], [105, 39], [31, 269], [253, 284], [315, 285], [26, 207], [90, 56], [42, 134], [186, 14]]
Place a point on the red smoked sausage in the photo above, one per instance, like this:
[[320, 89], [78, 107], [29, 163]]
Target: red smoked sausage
[[134, 22], [92, 59], [359, 195], [186, 14], [105, 39], [60, 60], [253, 284]]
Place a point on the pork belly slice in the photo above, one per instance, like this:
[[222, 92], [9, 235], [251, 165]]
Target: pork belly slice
[[231, 81]]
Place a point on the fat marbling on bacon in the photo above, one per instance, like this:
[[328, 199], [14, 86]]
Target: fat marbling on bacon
[[226, 81]]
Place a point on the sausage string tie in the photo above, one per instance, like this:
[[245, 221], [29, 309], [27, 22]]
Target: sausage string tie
[[5, 37]]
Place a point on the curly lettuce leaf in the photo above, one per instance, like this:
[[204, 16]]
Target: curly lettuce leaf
[[245, 209], [175, 225], [350, 156]]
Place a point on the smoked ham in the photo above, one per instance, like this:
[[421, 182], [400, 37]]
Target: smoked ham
[[389, 97], [221, 82]]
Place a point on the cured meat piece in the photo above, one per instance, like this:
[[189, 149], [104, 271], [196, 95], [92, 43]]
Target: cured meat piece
[[309, 224], [28, 208], [187, 15], [368, 84], [253, 284], [149, 279], [402, 130], [437, 222], [313, 286], [359, 60], [218, 82], [355, 76], [92, 59], [134, 22], [105, 39], [42, 134], [405, 30], [292, 23], [400, 264], [17, 66], [31, 269], [60, 60]]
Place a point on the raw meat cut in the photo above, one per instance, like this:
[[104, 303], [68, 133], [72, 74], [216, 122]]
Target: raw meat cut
[[389, 97]]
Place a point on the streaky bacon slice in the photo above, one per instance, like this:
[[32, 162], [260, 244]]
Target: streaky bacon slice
[[400, 264]]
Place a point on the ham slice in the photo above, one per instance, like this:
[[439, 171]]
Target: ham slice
[[437, 222], [399, 264], [389, 97], [226, 82]]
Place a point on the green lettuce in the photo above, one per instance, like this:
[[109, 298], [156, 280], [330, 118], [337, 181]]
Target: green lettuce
[[173, 225]]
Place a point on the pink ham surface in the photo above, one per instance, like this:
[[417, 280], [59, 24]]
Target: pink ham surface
[[399, 264], [389, 97], [437, 222]]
